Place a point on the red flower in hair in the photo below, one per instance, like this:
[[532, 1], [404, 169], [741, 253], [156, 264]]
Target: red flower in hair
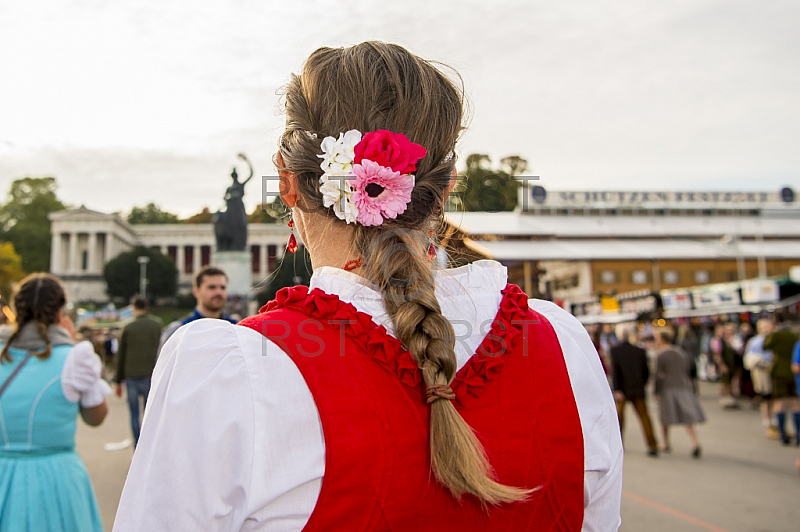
[[392, 150]]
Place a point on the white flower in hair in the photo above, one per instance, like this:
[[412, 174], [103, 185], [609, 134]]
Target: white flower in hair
[[337, 192], [338, 154]]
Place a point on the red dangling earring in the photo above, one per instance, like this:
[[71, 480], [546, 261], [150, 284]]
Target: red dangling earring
[[291, 245], [431, 247]]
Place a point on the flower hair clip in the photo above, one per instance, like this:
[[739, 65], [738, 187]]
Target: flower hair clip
[[369, 178]]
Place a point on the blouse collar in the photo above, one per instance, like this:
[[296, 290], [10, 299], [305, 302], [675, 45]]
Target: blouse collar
[[455, 283]]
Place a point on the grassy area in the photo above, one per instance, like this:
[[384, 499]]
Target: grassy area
[[170, 314]]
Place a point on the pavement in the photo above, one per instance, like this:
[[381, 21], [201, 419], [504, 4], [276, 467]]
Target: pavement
[[743, 482]]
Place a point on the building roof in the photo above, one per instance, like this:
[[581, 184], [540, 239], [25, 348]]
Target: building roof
[[623, 226], [646, 249]]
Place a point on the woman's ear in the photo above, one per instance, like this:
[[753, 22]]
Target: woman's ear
[[288, 188], [288, 184]]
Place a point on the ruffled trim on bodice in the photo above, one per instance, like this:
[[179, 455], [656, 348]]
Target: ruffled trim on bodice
[[387, 351]]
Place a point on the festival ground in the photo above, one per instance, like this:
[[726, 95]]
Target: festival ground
[[743, 482]]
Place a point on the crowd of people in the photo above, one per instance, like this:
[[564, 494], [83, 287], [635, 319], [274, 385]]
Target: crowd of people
[[754, 365]]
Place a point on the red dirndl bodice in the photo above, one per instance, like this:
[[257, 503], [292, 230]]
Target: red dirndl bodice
[[514, 392]]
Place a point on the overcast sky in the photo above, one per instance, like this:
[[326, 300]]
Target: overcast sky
[[131, 102]]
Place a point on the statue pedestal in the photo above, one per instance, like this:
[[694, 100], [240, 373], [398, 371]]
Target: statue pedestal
[[237, 265]]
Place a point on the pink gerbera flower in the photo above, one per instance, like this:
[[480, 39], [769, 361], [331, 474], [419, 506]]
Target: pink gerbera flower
[[379, 192]]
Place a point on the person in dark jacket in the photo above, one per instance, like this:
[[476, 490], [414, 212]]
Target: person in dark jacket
[[630, 373], [784, 393], [138, 348]]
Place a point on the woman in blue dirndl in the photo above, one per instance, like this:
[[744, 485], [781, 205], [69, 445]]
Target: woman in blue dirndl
[[46, 380]]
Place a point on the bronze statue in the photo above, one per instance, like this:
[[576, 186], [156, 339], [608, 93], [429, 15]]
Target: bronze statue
[[230, 226]]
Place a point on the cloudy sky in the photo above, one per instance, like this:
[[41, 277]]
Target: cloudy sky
[[138, 101]]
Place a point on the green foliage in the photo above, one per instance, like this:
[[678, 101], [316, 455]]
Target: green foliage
[[151, 214], [295, 269], [203, 217], [10, 269], [483, 188], [122, 274], [24, 222]]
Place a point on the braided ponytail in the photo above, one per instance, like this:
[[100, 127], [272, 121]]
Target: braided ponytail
[[395, 261], [38, 299], [369, 87]]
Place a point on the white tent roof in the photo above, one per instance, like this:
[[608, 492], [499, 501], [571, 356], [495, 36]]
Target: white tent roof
[[632, 249]]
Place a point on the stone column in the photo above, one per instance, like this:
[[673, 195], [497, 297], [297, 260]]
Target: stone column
[[263, 266], [56, 264], [91, 261], [72, 258], [196, 259], [180, 261], [111, 246]]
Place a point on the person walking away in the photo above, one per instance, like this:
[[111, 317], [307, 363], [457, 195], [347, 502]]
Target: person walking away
[[759, 361], [210, 288], [677, 401], [796, 371], [46, 381], [111, 345], [630, 373], [138, 348], [784, 392], [725, 358]]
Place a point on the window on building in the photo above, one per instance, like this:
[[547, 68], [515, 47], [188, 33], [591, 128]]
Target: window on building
[[84, 260], [566, 283], [188, 259], [608, 276], [255, 258], [639, 277], [205, 255], [701, 276], [732, 275], [671, 277], [172, 253], [272, 257]]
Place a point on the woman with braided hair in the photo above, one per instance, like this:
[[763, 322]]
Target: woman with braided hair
[[391, 394], [46, 380]]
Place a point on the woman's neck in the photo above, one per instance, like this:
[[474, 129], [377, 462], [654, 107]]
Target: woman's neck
[[328, 243]]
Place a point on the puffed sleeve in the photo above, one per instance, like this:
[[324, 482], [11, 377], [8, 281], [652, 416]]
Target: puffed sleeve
[[602, 484], [192, 468], [81, 376]]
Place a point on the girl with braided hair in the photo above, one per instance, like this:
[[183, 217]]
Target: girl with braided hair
[[46, 380], [391, 394]]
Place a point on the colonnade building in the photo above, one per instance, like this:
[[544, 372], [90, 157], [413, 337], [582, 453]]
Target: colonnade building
[[83, 241]]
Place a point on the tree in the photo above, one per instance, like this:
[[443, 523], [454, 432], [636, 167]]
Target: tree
[[24, 222], [269, 213], [122, 274], [151, 214], [514, 165], [295, 269], [10, 269], [483, 188], [203, 217]]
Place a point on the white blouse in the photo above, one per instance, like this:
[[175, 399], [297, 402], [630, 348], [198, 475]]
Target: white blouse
[[231, 439], [81, 376]]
